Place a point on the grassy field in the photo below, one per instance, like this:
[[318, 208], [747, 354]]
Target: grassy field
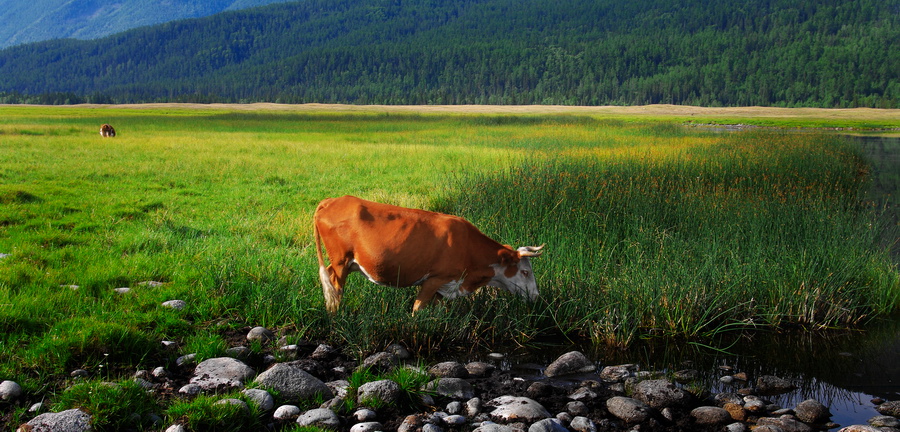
[[652, 228]]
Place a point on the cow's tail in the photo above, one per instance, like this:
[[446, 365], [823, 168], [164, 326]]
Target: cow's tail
[[332, 297]]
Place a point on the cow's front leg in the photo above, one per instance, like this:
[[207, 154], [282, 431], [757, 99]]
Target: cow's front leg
[[427, 292]]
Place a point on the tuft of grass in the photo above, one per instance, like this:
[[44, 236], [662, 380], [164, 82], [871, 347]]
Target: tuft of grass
[[204, 414], [113, 406], [411, 379], [206, 345], [89, 344]]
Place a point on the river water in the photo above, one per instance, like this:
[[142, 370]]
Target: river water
[[845, 370]]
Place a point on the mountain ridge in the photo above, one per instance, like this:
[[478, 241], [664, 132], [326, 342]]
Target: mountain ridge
[[701, 52], [39, 20]]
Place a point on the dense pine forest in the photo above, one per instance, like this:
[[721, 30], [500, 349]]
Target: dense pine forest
[[23, 21], [821, 53]]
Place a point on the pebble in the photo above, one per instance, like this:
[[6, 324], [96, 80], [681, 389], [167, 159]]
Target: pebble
[[10, 390], [366, 427], [455, 420], [261, 334], [175, 304], [287, 412], [884, 422], [365, 415]]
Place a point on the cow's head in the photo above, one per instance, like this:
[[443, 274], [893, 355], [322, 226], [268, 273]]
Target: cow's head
[[513, 272]]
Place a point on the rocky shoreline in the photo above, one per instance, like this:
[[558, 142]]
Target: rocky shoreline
[[570, 394]]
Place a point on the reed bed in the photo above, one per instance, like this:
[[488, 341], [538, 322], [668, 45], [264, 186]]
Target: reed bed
[[693, 237]]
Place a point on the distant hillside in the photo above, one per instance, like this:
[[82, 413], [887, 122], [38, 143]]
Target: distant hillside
[[826, 53], [23, 21]]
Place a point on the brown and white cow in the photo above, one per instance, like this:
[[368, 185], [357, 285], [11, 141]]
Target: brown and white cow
[[395, 246], [107, 130]]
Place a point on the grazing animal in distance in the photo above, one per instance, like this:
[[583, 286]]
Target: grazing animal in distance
[[443, 254], [107, 130]]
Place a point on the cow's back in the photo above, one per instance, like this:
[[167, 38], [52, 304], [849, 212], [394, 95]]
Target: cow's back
[[395, 245]]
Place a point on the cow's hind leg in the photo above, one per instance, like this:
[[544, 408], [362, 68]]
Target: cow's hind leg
[[331, 292], [333, 279]]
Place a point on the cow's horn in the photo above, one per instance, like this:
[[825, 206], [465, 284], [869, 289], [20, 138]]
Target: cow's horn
[[531, 251]]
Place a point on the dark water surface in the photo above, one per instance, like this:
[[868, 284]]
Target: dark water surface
[[883, 152], [844, 370]]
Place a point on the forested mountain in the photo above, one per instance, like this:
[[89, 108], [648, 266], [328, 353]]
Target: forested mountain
[[831, 53], [23, 21]]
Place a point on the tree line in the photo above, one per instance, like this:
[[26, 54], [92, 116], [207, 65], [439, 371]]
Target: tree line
[[829, 53]]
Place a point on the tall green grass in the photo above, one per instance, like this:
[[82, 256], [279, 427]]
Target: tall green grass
[[754, 229]]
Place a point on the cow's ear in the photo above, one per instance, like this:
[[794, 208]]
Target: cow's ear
[[508, 257]]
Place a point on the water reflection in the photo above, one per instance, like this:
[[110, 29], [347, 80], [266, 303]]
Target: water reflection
[[883, 153]]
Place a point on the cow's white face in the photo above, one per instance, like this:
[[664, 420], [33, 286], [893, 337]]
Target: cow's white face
[[517, 279]]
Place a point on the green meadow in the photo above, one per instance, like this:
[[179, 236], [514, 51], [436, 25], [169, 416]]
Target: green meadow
[[652, 229]]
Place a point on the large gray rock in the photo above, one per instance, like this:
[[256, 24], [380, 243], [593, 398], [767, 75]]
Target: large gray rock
[[617, 373], [628, 410], [768, 384], [812, 411], [339, 388], [262, 398], [785, 424], [454, 388], [728, 398], [582, 424], [884, 422], [660, 394], [859, 428], [480, 369], [570, 363], [547, 425], [709, 415], [767, 428], [380, 362], [493, 427], [891, 408], [449, 369], [235, 402], [366, 427], [514, 408], [736, 427], [286, 412], [321, 417], [73, 420], [221, 373], [261, 334], [383, 390], [10, 390], [175, 304], [292, 383]]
